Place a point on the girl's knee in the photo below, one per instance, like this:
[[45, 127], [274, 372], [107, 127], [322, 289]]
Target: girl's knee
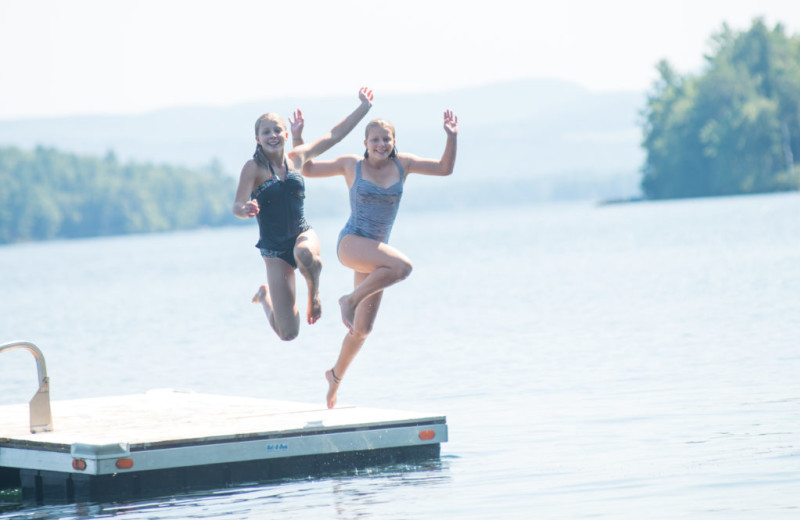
[[288, 329], [305, 256], [403, 269], [288, 335]]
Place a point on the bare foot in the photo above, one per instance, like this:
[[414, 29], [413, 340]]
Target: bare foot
[[348, 313], [314, 310], [261, 295], [333, 387]]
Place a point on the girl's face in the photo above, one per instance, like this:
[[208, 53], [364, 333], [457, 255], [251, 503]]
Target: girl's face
[[271, 135], [379, 142]]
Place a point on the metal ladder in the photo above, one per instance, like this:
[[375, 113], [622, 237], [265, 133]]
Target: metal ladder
[[41, 418]]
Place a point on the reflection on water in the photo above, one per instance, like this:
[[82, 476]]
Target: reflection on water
[[367, 493]]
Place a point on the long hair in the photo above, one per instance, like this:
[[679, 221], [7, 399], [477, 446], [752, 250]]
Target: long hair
[[382, 123], [259, 157]]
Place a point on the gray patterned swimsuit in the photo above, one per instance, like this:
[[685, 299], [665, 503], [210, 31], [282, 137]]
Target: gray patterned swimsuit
[[372, 208]]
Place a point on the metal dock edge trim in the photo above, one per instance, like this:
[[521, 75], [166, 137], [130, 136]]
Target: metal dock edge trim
[[104, 461], [310, 429]]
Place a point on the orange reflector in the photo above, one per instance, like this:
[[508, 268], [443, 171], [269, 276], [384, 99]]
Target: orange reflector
[[79, 464], [124, 463], [426, 435]]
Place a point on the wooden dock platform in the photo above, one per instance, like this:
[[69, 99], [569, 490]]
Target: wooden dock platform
[[165, 441]]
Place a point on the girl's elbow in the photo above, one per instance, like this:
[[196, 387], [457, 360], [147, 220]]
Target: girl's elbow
[[334, 137]]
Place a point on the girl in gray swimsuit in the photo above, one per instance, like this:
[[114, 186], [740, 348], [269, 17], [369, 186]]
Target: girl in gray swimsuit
[[376, 186], [373, 208]]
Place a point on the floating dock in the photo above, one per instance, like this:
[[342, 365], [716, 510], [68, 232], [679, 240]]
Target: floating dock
[[165, 441]]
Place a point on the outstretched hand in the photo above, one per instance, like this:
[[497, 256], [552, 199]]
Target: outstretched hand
[[450, 122], [365, 95], [296, 125]]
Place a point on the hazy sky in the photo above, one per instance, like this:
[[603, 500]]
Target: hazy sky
[[66, 57]]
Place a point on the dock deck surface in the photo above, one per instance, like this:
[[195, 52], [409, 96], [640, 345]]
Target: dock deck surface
[[167, 415], [168, 430]]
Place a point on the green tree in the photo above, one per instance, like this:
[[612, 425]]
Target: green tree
[[735, 128], [47, 194]]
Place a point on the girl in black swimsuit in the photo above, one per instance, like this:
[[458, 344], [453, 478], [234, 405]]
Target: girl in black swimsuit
[[270, 183]]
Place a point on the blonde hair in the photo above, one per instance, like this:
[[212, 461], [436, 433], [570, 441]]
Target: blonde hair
[[270, 116], [382, 123]]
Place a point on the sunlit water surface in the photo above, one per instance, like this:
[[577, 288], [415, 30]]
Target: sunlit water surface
[[624, 361]]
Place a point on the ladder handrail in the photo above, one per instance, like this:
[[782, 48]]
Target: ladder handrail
[[41, 420]]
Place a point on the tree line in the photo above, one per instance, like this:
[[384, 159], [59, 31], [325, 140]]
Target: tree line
[[734, 128], [47, 194]]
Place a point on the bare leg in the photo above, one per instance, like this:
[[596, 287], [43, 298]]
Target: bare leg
[[262, 297], [333, 387], [385, 265], [277, 298], [306, 253], [352, 343]]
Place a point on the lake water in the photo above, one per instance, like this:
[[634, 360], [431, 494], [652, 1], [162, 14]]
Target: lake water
[[623, 361]]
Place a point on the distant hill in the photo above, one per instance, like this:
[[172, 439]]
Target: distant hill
[[518, 141]]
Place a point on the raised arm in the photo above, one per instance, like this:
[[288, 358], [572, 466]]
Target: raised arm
[[443, 166], [306, 152], [344, 165]]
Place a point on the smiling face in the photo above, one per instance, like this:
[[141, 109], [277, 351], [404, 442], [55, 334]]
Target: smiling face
[[380, 139], [271, 133]]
